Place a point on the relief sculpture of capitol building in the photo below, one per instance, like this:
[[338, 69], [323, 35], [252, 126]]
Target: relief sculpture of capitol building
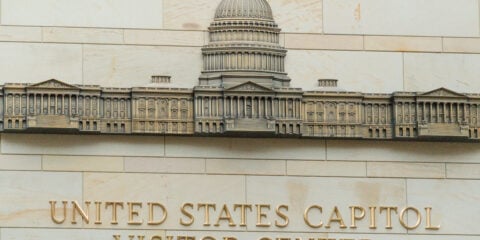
[[243, 90], [239, 119]]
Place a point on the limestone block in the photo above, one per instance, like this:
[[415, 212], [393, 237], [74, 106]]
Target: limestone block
[[35, 62], [320, 41], [403, 44], [402, 17], [454, 202], [165, 37], [73, 234], [458, 72], [20, 162], [461, 45], [299, 193], [463, 171], [243, 148], [87, 13], [164, 165], [82, 145], [326, 168], [20, 34], [303, 16], [249, 167], [171, 190], [406, 170], [26, 195], [127, 66], [82, 163], [83, 35], [402, 151], [189, 14], [356, 71]]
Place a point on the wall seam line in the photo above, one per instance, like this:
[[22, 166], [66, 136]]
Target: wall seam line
[[403, 72], [323, 16], [83, 63]]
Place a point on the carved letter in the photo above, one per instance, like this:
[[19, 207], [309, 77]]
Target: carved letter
[[151, 215], [336, 217], [429, 220], [354, 216], [243, 212], [187, 214], [53, 210], [76, 208], [282, 215], [227, 217], [261, 215], [389, 215], [306, 219]]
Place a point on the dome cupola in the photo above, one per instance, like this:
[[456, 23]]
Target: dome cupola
[[244, 9]]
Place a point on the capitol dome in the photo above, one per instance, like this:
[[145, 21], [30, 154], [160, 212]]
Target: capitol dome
[[246, 9], [244, 42]]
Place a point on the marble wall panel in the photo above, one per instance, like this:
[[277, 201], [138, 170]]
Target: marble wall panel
[[128, 66], [20, 34], [466, 171], [245, 148], [86, 13], [82, 163], [36, 62], [82, 145], [402, 151], [454, 202], [83, 35], [326, 168], [402, 17], [405, 170], [20, 162], [247, 167], [25, 196], [164, 165], [356, 71], [458, 72]]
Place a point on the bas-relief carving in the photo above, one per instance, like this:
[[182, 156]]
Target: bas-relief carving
[[243, 90]]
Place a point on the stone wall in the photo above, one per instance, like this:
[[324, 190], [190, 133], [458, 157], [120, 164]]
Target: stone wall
[[369, 45]]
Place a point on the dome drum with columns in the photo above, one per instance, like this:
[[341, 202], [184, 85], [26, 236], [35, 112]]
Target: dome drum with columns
[[244, 43]]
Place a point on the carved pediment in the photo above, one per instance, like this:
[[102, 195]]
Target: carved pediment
[[443, 92], [249, 87], [52, 84]]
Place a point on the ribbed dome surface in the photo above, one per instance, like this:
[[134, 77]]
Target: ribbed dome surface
[[257, 9]]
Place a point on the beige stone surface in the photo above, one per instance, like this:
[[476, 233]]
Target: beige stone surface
[[458, 72], [308, 16], [189, 14], [326, 168], [82, 163], [165, 165], [87, 13], [83, 35], [405, 170], [73, 234], [26, 195], [454, 202], [402, 17], [402, 151], [82, 145], [318, 235], [245, 148], [249, 167], [172, 190], [356, 71], [20, 34], [36, 62], [299, 193], [461, 45], [127, 66], [467, 171], [403, 44], [20, 162], [165, 37], [320, 41]]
